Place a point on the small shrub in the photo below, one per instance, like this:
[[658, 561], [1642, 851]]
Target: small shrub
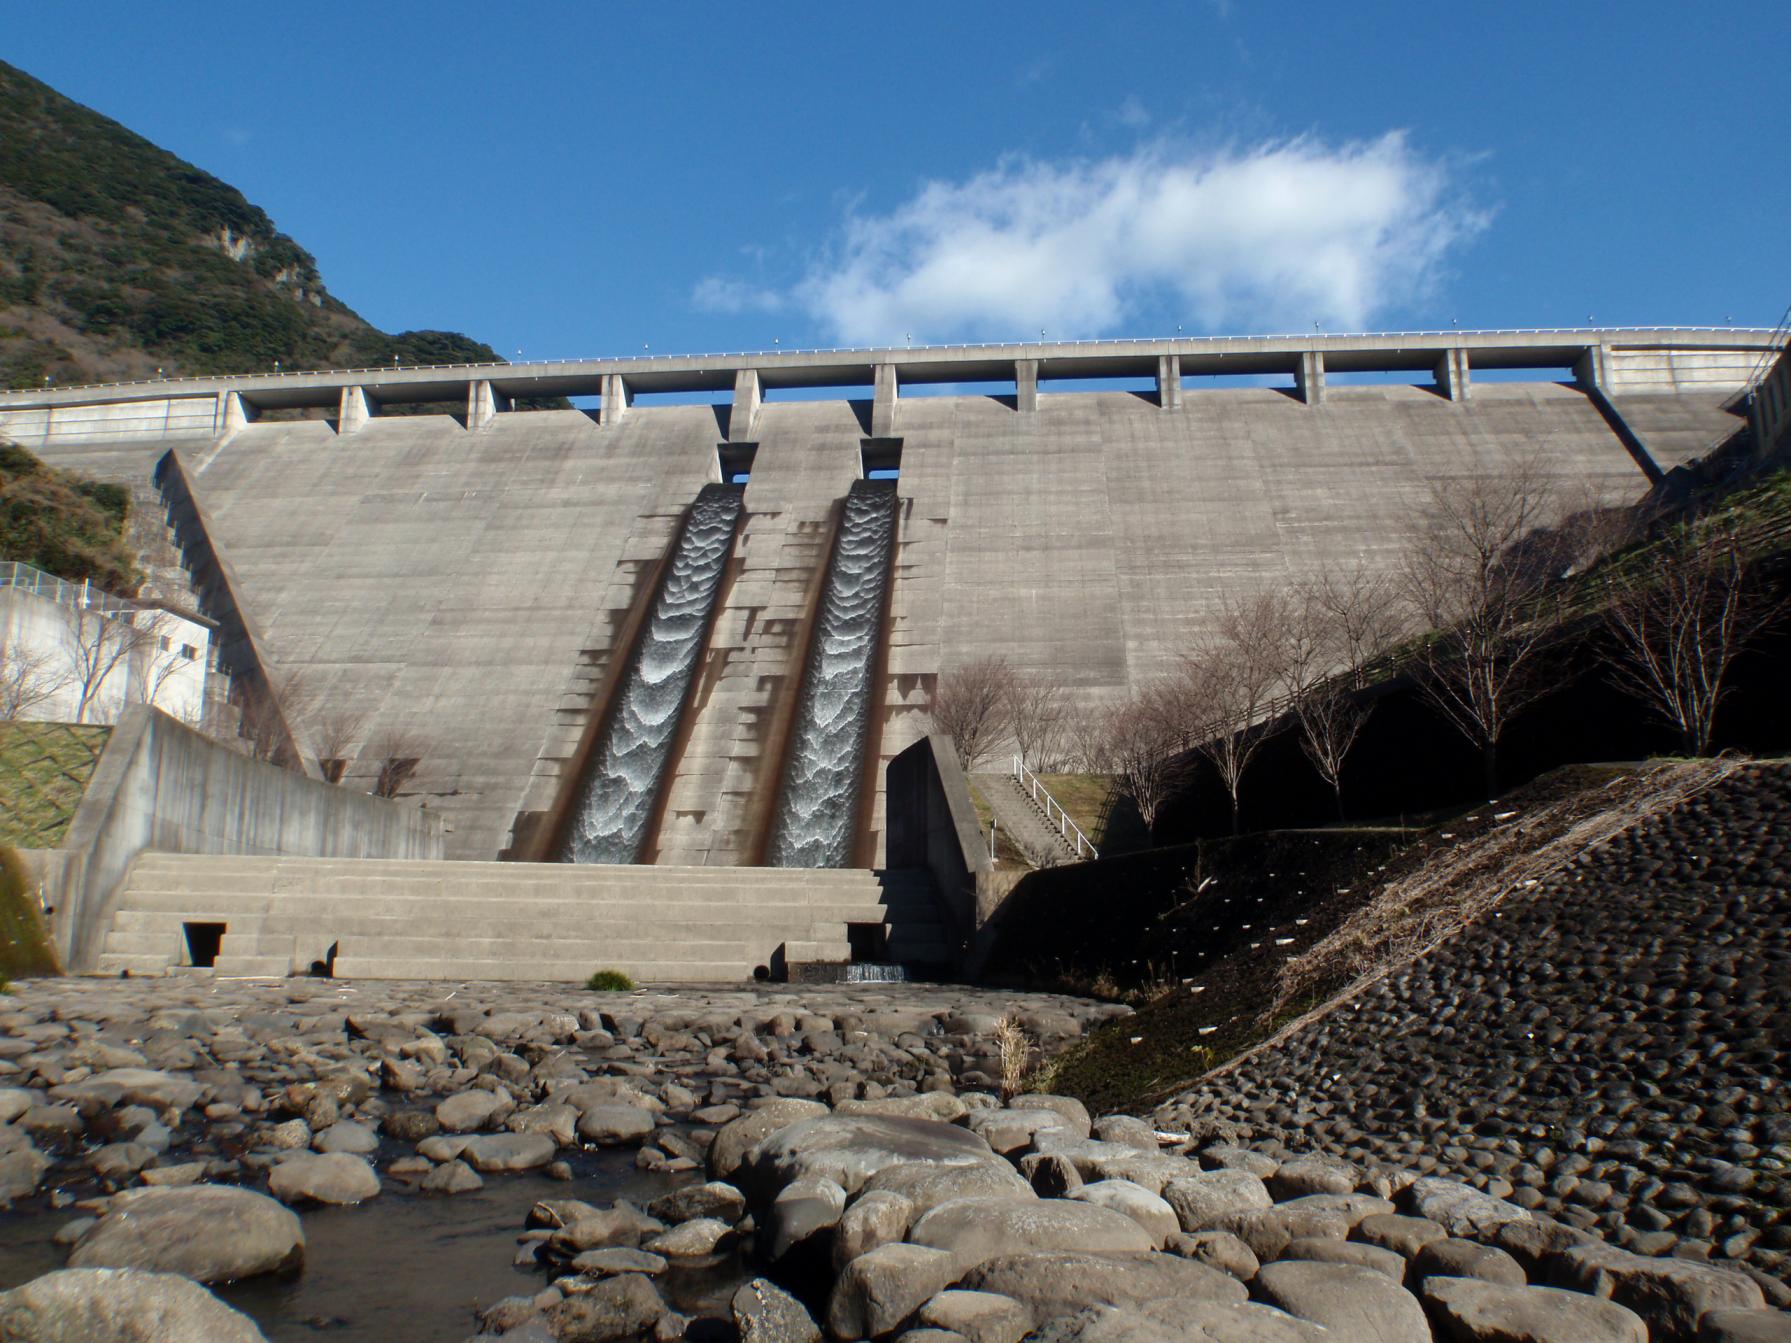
[[609, 981]]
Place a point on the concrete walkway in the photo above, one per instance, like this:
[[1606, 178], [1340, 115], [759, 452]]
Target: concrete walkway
[[398, 919]]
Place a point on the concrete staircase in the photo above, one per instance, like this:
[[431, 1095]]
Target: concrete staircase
[[408, 919], [1023, 821]]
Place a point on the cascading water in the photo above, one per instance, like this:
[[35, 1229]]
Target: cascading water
[[819, 802], [620, 791]]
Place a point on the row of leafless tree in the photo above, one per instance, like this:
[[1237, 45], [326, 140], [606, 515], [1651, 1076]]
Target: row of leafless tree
[[98, 647], [1469, 612], [269, 720]]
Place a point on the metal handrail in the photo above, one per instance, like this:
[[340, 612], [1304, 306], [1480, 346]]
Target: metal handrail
[[82, 595], [1452, 333], [1041, 796]]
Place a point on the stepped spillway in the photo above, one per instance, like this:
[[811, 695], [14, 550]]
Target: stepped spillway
[[615, 807], [813, 824]]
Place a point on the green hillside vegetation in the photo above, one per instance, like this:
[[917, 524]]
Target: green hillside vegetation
[[64, 523], [44, 772], [117, 258]]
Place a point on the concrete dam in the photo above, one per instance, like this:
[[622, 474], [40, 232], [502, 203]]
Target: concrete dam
[[689, 622]]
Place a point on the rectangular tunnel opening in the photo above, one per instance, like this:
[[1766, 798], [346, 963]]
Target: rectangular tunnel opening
[[203, 943], [880, 458], [733, 462]]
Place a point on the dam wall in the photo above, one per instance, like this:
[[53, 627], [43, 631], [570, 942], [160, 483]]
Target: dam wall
[[466, 581]]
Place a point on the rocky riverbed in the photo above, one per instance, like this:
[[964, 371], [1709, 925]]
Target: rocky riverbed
[[830, 1161]]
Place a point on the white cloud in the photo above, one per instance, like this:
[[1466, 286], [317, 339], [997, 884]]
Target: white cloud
[[717, 293], [1274, 237]]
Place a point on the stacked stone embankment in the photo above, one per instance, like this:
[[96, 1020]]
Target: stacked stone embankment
[[1607, 1048], [843, 1167]]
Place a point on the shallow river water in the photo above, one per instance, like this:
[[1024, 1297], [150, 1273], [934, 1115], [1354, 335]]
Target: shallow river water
[[401, 1267]]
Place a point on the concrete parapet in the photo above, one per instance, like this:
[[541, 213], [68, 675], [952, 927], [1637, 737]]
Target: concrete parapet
[[232, 414], [160, 785]]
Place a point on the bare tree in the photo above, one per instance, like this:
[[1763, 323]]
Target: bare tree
[[336, 728], [1232, 679], [1362, 605], [28, 677], [96, 643], [1036, 712], [1085, 738], [1679, 625], [395, 753], [1143, 746], [1340, 625], [970, 707], [1479, 575], [155, 658], [269, 705]]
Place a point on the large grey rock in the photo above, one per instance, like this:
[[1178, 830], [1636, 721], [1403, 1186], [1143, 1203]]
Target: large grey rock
[[1122, 1196], [470, 1111], [1216, 1249], [766, 1313], [105, 1305], [1062, 1283], [21, 1171], [738, 1137], [1452, 1258], [1127, 1131], [1323, 1250], [1671, 1295], [210, 1233], [491, 1152], [1176, 1321], [850, 1149], [873, 1219], [133, 1086], [940, 1105], [1203, 1199], [1405, 1236], [452, 1177], [615, 1125], [1353, 1208], [345, 1135], [695, 1239], [980, 1317], [1315, 1174], [1745, 1326], [926, 1187], [1352, 1302], [1072, 1111], [975, 1229], [802, 1209], [336, 1178], [714, 1199], [1469, 1310], [1014, 1130], [1153, 1170], [606, 1263], [1461, 1209], [14, 1101], [618, 1308], [877, 1291]]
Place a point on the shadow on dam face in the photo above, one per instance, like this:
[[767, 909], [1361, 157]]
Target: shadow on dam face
[[817, 818], [618, 799]]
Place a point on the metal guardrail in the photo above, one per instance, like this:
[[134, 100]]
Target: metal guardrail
[[28, 578], [1041, 796], [863, 351]]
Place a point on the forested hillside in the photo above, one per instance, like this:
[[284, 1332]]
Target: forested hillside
[[117, 258]]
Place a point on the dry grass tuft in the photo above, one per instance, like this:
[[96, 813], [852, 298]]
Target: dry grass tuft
[[1014, 1045]]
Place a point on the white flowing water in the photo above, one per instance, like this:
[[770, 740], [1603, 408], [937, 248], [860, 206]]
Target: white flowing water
[[819, 801], [629, 765]]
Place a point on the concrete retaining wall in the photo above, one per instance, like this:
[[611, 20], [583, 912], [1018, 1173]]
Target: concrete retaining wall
[[160, 785], [932, 824], [148, 421]]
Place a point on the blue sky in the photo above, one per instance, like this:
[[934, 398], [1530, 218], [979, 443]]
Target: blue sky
[[580, 180]]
